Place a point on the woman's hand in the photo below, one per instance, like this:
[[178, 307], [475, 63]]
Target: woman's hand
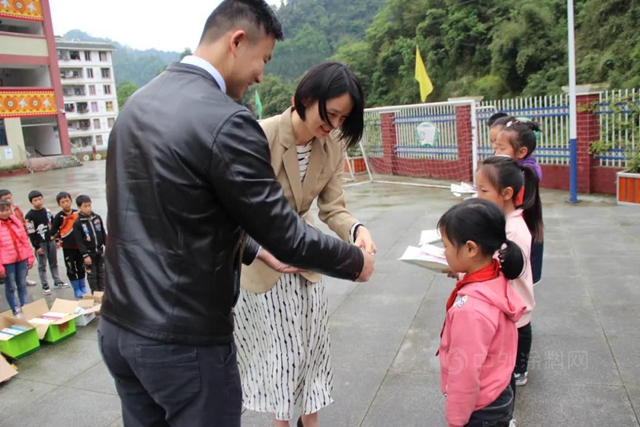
[[266, 257], [365, 241]]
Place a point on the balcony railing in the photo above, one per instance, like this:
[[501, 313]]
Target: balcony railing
[[27, 102], [27, 10]]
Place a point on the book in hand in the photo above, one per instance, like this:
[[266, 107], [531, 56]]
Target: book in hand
[[464, 188], [428, 256]]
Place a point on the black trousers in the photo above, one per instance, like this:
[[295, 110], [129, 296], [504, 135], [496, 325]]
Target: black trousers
[[497, 414], [74, 262], [95, 273], [162, 384]]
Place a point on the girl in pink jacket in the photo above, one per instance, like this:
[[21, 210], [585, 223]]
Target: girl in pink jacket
[[16, 257], [500, 179], [479, 337]]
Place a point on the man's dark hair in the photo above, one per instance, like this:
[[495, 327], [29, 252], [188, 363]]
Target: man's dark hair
[[5, 192], [495, 117], [82, 199], [231, 13], [62, 195], [327, 81], [33, 194]]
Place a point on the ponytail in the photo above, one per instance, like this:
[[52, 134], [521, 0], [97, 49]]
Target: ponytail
[[532, 205], [511, 260]]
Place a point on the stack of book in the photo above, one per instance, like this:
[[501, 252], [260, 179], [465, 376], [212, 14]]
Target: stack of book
[[10, 332], [426, 254]]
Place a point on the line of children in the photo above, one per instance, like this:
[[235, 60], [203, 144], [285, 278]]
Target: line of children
[[16, 257], [479, 338], [82, 244]]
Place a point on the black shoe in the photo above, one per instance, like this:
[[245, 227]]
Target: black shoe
[[300, 422]]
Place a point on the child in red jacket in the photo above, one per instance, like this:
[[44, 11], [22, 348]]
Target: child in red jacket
[[479, 337], [16, 257]]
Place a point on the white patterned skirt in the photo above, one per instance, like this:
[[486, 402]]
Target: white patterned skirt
[[282, 338]]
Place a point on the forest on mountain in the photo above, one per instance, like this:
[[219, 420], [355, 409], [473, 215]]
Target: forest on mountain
[[490, 48]]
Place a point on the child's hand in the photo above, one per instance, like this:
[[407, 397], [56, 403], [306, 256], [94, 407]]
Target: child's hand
[[87, 261], [40, 251], [58, 244], [29, 266], [3, 275], [449, 272]]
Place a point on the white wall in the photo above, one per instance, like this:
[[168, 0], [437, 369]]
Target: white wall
[[42, 138]]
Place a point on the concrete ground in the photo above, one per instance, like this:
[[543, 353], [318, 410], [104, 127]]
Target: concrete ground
[[585, 363]]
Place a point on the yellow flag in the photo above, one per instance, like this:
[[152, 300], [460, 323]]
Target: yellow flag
[[426, 87]]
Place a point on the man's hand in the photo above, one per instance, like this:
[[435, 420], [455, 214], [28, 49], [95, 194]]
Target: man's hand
[[266, 257], [40, 251], [87, 261], [365, 241], [367, 268]]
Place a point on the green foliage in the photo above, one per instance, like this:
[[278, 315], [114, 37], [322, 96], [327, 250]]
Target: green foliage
[[124, 91]]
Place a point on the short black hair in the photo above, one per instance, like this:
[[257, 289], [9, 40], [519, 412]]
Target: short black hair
[[482, 222], [4, 205], [522, 134], [502, 121], [231, 13], [331, 80], [5, 192], [495, 117], [82, 199], [62, 195], [33, 194]]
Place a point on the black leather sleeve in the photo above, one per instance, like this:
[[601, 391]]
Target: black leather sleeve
[[241, 173], [250, 251]]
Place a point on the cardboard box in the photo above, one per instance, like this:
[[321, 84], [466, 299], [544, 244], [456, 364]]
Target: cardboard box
[[22, 343], [7, 371], [96, 296], [87, 309], [52, 330]]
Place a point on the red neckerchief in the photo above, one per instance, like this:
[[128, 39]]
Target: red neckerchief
[[489, 272]]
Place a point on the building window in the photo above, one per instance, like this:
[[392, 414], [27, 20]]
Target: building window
[[107, 89], [94, 107], [99, 141], [87, 56], [60, 55], [103, 56], [110, 122], [75, 55], [109, 105], [92, 89], [106, 73], [70, 108], [78, 91], [96, 123], [89, 73], [3, 134]]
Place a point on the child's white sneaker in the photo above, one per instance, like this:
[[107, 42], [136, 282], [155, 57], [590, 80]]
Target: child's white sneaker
[[521, 379]]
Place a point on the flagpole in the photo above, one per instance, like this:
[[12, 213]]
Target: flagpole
[[573, 109]]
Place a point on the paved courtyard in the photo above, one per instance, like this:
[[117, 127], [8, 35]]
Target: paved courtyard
[[585, 367]]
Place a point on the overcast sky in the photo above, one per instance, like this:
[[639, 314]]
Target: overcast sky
[[141, 24]]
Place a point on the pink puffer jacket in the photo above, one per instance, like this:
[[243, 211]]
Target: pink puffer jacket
[[14, 246]]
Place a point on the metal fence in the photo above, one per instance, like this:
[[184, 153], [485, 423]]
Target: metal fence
[[619, 127]]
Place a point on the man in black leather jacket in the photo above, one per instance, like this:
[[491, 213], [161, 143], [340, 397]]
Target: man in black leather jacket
[[188, 173]]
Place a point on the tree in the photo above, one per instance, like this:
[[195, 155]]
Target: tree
[[124, 91], [185, 52]]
